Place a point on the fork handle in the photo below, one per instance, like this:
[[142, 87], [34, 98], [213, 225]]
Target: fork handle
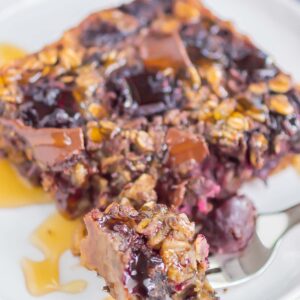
[[292, 215], [293, 218]]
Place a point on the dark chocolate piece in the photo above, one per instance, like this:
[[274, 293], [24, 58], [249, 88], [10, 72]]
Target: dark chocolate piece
[[164, 50], [50, 146], [184, 146]]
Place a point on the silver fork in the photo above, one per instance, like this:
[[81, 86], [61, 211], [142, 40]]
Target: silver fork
[[231, 270]]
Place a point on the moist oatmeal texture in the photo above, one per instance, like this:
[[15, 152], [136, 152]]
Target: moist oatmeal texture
[[152, 101], [153, 253]]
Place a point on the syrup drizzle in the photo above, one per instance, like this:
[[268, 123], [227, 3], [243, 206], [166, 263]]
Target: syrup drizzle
[[53, 238], [296, 163], [16, 191], [9, 53]]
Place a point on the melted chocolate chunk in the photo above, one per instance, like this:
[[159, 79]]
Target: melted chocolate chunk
[[160, 51], [146, 94], [50, 146], [184, 146]]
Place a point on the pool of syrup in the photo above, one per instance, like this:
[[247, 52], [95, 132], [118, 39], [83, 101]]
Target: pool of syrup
[[54, 236]]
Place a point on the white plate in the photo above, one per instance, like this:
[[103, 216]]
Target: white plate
[[274, 25]]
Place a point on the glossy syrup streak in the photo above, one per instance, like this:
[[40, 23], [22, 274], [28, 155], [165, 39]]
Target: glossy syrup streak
[[53, 237], [14, 190], [9, 53]]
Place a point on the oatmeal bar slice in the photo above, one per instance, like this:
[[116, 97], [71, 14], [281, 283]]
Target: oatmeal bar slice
[[160, 94], [151, 253]]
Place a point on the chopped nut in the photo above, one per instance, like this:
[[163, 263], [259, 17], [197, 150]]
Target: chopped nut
[[70, 58], [183, 228], [88, 79], [80, 174], [226, 136], [144, 142], [195, 96], [258, 146], [142, 190], [256, 111], [187, 10], [129, 134], [256, 115], [166, 25], [107, 127], [154, 228], [280, 84], [214, 75], [279, 143], [10, 94], [11, 75], [224, 109], [201, 248], [67, 79], [103, 184], [258, 88], [110, 163], [207, 108], [110, 56], [238, 121], [97, 110], [140, 228], [32, 63], [174, 253], [95, 135], [49, 56], [172, 244], [195, 77], [280, 104]]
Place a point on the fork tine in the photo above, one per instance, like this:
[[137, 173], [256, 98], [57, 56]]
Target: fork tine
[[255, 256], [230, 270], [213, 271], [218, 280], [250, 261]]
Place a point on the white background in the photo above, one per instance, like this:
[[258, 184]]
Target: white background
[[275, 26]]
